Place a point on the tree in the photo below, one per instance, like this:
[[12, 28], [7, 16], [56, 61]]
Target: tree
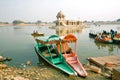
[[118, 20], [54, 21], [6, 23], [15, 22], [38, 22]]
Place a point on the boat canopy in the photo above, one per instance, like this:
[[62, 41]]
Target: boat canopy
[[50, 40], [70, 38], [65, 46], [54, 38]]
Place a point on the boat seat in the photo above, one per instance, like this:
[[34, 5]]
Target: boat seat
[[72, 59], [56, 60], [73, 62]]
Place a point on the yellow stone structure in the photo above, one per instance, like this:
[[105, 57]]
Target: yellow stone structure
[[61, 21]]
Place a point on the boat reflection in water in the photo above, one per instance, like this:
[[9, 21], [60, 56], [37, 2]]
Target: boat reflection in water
[[61, 30], [110, 47]]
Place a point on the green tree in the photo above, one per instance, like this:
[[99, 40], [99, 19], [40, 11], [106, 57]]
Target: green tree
[[118, 20], [54, 21], [6, 22], [15, 22], [38, 22]]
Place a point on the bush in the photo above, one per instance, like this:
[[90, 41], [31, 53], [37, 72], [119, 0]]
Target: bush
[[15, 22]]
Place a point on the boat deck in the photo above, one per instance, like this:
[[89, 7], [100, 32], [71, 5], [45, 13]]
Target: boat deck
[[111, 61]]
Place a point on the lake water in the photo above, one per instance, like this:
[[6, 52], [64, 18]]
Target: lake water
[[18, 44]]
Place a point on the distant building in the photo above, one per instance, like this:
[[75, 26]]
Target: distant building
[[61, 21]]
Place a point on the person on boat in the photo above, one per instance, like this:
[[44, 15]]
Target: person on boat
[[99, 36], [104, 32], [36, 31], [113, 33]]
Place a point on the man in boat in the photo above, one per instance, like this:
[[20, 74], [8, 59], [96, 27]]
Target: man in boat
[[113, 33], [99, 36]]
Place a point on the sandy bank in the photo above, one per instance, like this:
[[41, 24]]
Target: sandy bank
[[42, 73]]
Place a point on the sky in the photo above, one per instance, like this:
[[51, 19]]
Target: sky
[[46, 10]]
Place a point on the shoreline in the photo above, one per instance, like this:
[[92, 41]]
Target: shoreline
[[43, 72], [52, 24], [49, 24]]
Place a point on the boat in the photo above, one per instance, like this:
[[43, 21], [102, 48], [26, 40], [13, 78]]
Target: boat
[[70, 55], [45, 47], [36, 34], [116, 38], [103, 38], [92, 34]]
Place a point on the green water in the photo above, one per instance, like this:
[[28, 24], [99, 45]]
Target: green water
[[18, 44]]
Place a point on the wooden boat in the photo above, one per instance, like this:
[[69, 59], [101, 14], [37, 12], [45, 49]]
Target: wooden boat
[[92, 35], [70, 56], [45, 47], [116, 38], [36, 34], [103, 39]]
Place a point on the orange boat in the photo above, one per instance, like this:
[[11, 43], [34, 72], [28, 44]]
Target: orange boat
[[104, 39], [70, 56]]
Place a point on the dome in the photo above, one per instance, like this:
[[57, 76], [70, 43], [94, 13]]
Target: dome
[[60, 15]]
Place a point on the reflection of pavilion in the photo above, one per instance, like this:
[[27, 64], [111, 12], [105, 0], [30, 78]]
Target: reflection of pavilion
[[61, 31], [62, 22]]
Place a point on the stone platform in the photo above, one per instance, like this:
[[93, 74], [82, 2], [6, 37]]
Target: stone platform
[[106, 62]]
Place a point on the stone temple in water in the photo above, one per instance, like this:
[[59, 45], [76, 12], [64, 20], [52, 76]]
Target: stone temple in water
[[61, 21]]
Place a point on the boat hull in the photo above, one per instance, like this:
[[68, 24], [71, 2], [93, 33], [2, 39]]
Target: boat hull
[[61, 66], [73, 61], [116, 41], [91, 35], [104, 40]]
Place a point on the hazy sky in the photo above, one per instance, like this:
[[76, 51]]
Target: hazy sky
[[46, 10]]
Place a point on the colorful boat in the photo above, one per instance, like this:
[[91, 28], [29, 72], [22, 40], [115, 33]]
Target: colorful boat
[[116, 38], [70, 56], [45, 47], [103, 39]]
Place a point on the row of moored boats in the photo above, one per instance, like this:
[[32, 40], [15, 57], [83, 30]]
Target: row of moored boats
[[106, 37]]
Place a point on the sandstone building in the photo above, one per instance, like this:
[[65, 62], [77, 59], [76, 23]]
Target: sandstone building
[[61, 21]]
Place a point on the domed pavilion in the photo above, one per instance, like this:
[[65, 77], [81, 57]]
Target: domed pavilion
[[60, 16], [61, 21]]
